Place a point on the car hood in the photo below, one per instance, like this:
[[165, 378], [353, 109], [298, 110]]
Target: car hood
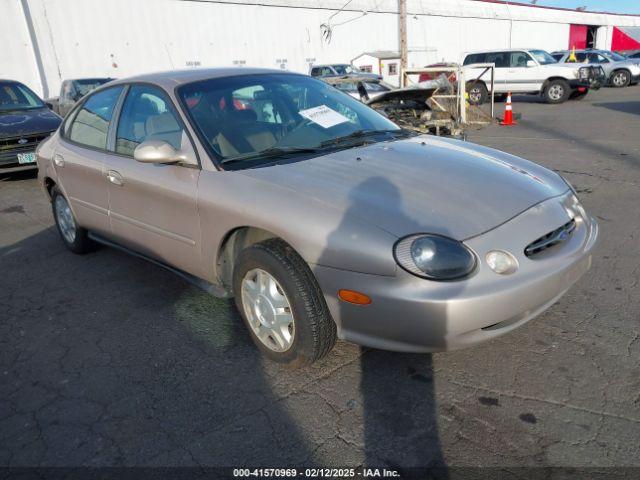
[[27, 122], [419, 185]]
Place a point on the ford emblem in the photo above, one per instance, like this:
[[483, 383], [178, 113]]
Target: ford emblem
[[22, 141]]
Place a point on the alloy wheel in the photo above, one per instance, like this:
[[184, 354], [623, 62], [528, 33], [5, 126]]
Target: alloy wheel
[[267, 310], [556, 92], [66, 223], [619, 79]]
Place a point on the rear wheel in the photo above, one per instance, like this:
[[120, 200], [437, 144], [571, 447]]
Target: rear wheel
[[620, 79], [557, 91], [73, 236], [478, 93], [282, 305]]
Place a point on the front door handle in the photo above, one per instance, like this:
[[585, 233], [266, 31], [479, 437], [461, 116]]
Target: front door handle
[[58, 160], [115, 178]]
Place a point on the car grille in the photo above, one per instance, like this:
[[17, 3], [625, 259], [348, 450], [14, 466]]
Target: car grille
[[550, 239], [10, 147]]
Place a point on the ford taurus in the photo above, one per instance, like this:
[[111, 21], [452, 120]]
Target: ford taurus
[[319, 216]]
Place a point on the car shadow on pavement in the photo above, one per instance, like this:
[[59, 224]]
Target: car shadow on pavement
[[624, 107], [109, 360], [397, 389], [19, 175]]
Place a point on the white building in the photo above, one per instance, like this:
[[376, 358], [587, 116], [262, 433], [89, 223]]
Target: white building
[[43, 42]]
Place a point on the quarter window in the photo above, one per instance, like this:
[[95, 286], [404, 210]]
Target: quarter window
[[147, 115], [501, 59], [475, 58], [90, 125]]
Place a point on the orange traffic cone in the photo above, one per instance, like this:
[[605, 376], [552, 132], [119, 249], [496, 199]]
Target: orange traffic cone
[[508, 113]]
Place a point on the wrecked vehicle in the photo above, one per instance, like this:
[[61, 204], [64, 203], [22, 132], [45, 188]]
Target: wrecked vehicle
[[411, 107]]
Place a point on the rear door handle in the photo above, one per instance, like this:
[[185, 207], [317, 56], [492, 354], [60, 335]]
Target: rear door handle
[[58, 160], [115, 178]]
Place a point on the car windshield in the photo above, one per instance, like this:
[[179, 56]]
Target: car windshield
[[15, 96], [87, 85], [248, 116], [614, 56], [542, 57]]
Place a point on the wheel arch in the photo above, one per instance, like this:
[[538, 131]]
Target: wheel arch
[[551, 79], [49, 183], [232, 244], [619, 69]]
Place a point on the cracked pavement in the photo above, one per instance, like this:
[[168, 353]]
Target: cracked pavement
[[106, 360]]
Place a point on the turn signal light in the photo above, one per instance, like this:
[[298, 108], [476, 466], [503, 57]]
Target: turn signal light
[[351, 296]]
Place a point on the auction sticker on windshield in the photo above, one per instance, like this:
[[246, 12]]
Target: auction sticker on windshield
[[324, 116]]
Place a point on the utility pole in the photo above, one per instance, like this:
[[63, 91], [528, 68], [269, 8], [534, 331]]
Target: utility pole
[[402, 31]]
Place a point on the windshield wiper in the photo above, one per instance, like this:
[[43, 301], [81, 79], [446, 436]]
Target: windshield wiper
[[270, 153], [361, 134]]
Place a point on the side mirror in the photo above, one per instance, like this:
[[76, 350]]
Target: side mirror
[[531, 63], [159, 151], [49, 105]]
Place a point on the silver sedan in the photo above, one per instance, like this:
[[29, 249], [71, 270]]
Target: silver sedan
[[321, 217]]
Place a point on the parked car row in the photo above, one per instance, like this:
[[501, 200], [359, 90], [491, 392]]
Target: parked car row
[[26, 120]]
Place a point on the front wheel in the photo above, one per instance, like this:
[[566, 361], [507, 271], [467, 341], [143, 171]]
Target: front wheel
[[557, 91], [620, 79], [73, 236], [282, 305]]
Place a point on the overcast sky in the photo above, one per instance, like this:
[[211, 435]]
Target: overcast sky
[[621, 6]]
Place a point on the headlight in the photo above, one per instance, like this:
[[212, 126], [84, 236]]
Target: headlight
[[434, 257]]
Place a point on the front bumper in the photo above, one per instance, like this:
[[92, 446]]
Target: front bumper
[[411, 314], [596, 79]]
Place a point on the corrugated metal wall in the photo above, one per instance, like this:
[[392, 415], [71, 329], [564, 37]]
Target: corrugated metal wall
[[76, 38]]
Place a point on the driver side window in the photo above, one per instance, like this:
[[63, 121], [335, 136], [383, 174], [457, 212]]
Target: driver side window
[[147, 115]]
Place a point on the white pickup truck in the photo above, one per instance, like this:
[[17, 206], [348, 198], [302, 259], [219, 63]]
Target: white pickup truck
[[529, 71]]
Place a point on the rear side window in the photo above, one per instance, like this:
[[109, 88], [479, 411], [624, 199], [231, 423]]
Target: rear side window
[[501, 59], [90, 124], [147, 115], [475, 58]]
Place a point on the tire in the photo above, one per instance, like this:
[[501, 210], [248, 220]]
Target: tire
[[557, 91], [73, 236], [477, 92], [576, 95], [312, 331], [620, 79]]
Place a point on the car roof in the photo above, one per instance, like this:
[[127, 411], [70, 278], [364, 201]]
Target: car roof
[[523, 49], [172, 78]]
